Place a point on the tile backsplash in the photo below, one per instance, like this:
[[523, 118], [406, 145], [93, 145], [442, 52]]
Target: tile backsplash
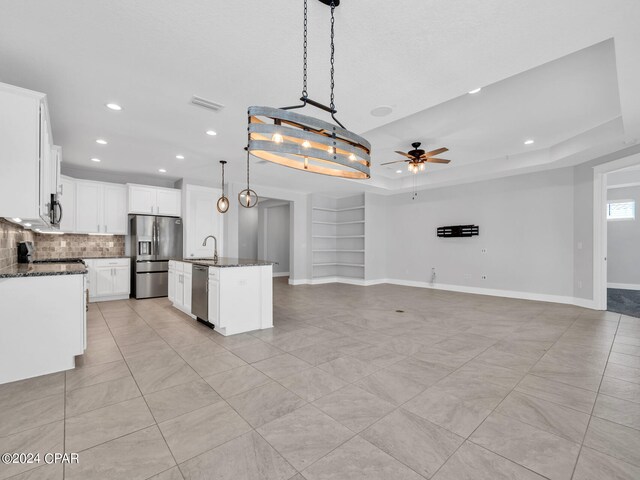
[[78, 246], [10, 236], [56, 246]]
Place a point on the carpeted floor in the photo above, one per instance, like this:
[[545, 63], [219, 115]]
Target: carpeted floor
[[626, 302]]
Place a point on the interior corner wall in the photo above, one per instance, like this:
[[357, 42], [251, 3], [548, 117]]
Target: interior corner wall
[[375, 237], [526, 226], [583, 231], [248, 232], [274, 235], [623, 242]]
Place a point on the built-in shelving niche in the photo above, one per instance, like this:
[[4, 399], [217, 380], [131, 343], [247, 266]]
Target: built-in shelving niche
[[338, 237]]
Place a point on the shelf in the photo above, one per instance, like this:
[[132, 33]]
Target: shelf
[[338, 236], [338, 265], [339, 223], [338, 209]]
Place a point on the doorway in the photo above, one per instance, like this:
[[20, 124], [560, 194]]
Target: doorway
[[623, 241], [265, 232], [616, 252]]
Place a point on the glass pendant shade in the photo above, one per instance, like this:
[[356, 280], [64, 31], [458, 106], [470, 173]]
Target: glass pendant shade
[[248, 198], [223, 202], [307, 143]]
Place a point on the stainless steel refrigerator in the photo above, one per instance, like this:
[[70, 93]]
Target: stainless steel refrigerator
[[154, 241]]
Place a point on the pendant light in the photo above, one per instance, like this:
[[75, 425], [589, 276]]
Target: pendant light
[[223, 202], [247, 197], [281, 136]]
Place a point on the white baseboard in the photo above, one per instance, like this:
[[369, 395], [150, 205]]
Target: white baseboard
[[624, 286], [108, 299], [280, 274], [538, 297]]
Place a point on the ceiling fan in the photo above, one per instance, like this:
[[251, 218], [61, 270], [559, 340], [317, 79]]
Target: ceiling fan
[[417, 158]]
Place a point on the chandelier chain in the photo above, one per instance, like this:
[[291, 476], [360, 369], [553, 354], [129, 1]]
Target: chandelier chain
[[333, 50], [247, 169], [305, 93]]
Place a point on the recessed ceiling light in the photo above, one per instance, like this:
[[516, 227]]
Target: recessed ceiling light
[[18, 220], [528, 142], [97, 160], [27, 224], [114, 106], [398, 171], [101, 141], [180, 157], [475, 90], [382, 111], [213, 133], [162, 170]]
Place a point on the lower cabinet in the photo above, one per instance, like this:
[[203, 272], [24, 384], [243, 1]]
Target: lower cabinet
[[109, 279], [180, 281]]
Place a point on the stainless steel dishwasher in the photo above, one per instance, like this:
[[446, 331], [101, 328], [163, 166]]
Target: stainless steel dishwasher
[[200, 294]]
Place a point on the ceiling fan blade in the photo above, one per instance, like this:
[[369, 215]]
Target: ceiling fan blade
[[433, 153], [397, 161], [404, 154], [437, 160]]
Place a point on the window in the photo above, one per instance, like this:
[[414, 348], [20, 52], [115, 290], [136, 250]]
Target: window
[[621, 210]]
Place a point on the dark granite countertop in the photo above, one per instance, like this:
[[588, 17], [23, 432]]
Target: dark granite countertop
[[226, 262], [42, 269]]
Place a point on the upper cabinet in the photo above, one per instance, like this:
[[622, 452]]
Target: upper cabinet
[[147, 200], [101, 208], [67, 199], [27, 157]]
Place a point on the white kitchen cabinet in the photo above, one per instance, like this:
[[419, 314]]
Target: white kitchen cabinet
[[172, 282], [28, 171], [147, 200], [142, 200], [201, 219], [88, 207], [43, 325], [101, 208], [214, 301], [108, 279], [240, 298], [168, 202], [180, 282], [67, 198], [115, 209]]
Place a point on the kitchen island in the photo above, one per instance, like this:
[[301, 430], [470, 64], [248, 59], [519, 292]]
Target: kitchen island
[[43, 318], [232, 295]]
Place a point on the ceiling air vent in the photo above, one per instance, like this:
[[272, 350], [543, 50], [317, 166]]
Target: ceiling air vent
[[203, 102]]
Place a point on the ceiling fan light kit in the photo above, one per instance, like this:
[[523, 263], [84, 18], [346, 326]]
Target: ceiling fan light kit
[[305, 143], [417, 158]]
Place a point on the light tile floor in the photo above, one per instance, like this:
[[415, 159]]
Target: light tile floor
[[381, 382]]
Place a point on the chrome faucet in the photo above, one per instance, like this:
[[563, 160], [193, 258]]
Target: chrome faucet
[[215, 247]]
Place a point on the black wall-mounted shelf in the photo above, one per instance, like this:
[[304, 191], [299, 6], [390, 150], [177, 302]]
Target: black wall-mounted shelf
[[459, 231]]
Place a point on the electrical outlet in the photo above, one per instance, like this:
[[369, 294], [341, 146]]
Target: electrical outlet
[[579, 283], [483, 277], [484, 250]]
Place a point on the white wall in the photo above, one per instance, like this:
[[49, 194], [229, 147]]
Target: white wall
[[583, 232], [375, 236], [623, 242], [526, 226], [300, 263], [248, 232]]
